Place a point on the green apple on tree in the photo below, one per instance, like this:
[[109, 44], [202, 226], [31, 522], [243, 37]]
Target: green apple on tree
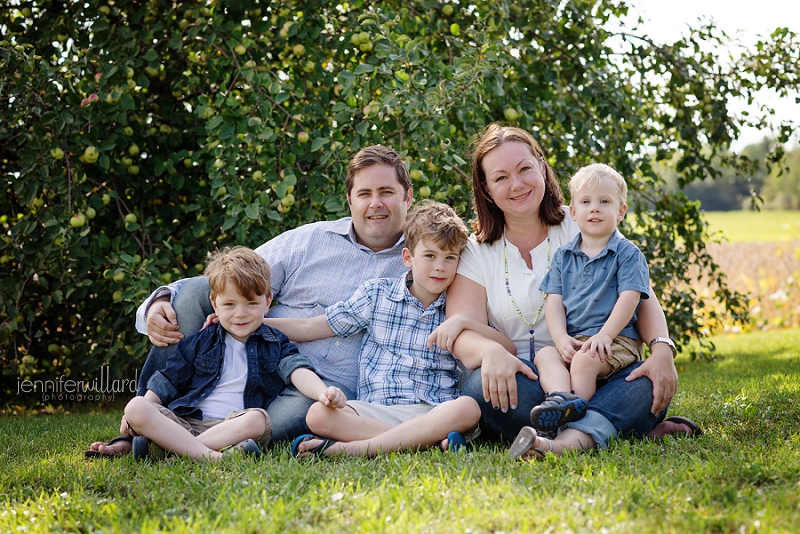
[[511, 114], [77, 220], [57, 153], [91, 154]]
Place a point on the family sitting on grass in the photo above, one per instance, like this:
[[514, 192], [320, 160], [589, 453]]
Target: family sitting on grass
[[366, 309]]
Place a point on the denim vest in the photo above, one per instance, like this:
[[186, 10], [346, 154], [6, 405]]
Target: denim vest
[[193, 370]]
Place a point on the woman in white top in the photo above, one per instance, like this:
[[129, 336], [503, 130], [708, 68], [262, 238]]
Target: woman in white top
[[520, 223]]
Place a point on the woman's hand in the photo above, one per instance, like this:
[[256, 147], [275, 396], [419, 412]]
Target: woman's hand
[[499, 378], [660, 369]]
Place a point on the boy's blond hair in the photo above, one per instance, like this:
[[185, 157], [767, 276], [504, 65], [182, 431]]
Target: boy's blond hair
[[591, 175], [437, 222], [247, 271]]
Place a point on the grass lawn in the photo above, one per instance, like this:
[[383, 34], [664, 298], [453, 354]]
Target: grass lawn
[[751, 226], [743, 475]]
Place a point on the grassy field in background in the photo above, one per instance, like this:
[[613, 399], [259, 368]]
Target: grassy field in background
[[740, 476], [755, 226]]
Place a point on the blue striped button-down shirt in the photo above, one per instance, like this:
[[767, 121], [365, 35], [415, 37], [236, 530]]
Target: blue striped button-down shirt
[[313, 267], [396, 366]]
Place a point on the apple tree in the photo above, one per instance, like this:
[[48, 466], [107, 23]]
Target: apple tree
[[137, 136]]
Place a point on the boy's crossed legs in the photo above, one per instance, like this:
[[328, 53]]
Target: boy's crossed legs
[[201, 439], [362, 429]]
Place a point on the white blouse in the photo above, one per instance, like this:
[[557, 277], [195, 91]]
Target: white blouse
[[483, 263]]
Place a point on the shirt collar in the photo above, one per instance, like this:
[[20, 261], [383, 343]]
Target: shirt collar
[[344, 227], [263, 330], [399, 292], [612, 245]]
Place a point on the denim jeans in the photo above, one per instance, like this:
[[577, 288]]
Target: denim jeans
[[618, 408], [192, 305]]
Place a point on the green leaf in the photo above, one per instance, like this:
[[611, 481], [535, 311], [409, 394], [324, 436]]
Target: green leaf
[[364, 68], [127, 101], [252, 211], [318, 143]]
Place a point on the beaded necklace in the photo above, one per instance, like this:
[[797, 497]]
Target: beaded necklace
[[508, 290]]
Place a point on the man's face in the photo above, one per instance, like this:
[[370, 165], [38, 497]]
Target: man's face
[[378, 204]]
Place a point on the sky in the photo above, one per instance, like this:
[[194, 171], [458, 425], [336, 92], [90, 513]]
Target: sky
[[746, 19]]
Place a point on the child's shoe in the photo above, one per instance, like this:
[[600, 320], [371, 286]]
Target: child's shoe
[[558, 409]]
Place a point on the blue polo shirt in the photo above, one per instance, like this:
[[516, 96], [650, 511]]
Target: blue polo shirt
[[590, 287]]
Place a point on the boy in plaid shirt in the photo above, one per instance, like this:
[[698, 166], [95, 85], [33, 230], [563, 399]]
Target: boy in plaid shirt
[[408, 394]]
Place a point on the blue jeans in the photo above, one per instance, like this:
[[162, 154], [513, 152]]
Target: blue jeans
[[618, 408], [192, 305]]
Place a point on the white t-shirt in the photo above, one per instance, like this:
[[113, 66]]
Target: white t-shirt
[[483, 263], [228, 396]]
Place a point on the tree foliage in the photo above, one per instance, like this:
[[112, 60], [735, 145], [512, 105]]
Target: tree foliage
[[136, 136]]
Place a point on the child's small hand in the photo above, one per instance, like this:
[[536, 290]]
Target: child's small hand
[[444, 336], [211, 319], [599, 345], [333, 397], [567, 346]]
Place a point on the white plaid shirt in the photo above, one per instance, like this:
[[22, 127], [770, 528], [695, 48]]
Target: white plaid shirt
[[313, 267], [395, 365]]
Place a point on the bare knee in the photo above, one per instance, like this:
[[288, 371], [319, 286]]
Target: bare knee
[[256, 421], [137, 410], [468, 411], [546, 355], [583, 362], [318, 418]]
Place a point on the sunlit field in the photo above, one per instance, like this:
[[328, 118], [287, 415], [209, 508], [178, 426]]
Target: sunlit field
[[760, 254]]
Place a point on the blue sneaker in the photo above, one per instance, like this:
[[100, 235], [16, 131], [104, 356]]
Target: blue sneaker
[[558, 409]]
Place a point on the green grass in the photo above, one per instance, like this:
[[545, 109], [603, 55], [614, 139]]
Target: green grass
[[752, 226], [741, 476]]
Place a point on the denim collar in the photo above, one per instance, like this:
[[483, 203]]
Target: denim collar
[[263, 331]]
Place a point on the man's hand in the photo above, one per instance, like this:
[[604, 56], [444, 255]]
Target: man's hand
[[499, 377], [333, 397], [660, 369], [162, 323]]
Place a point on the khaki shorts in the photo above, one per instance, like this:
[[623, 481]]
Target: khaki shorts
[[624, 351], [198, 426], [400, 413]]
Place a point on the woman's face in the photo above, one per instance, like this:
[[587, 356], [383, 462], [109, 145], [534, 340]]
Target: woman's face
[[514, 179]]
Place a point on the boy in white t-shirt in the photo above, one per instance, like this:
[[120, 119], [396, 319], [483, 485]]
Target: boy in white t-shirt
[[215, 389]]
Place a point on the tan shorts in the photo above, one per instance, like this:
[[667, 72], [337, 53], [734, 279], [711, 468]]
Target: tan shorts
[[624, 351], [400, 413], [198, 426]]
